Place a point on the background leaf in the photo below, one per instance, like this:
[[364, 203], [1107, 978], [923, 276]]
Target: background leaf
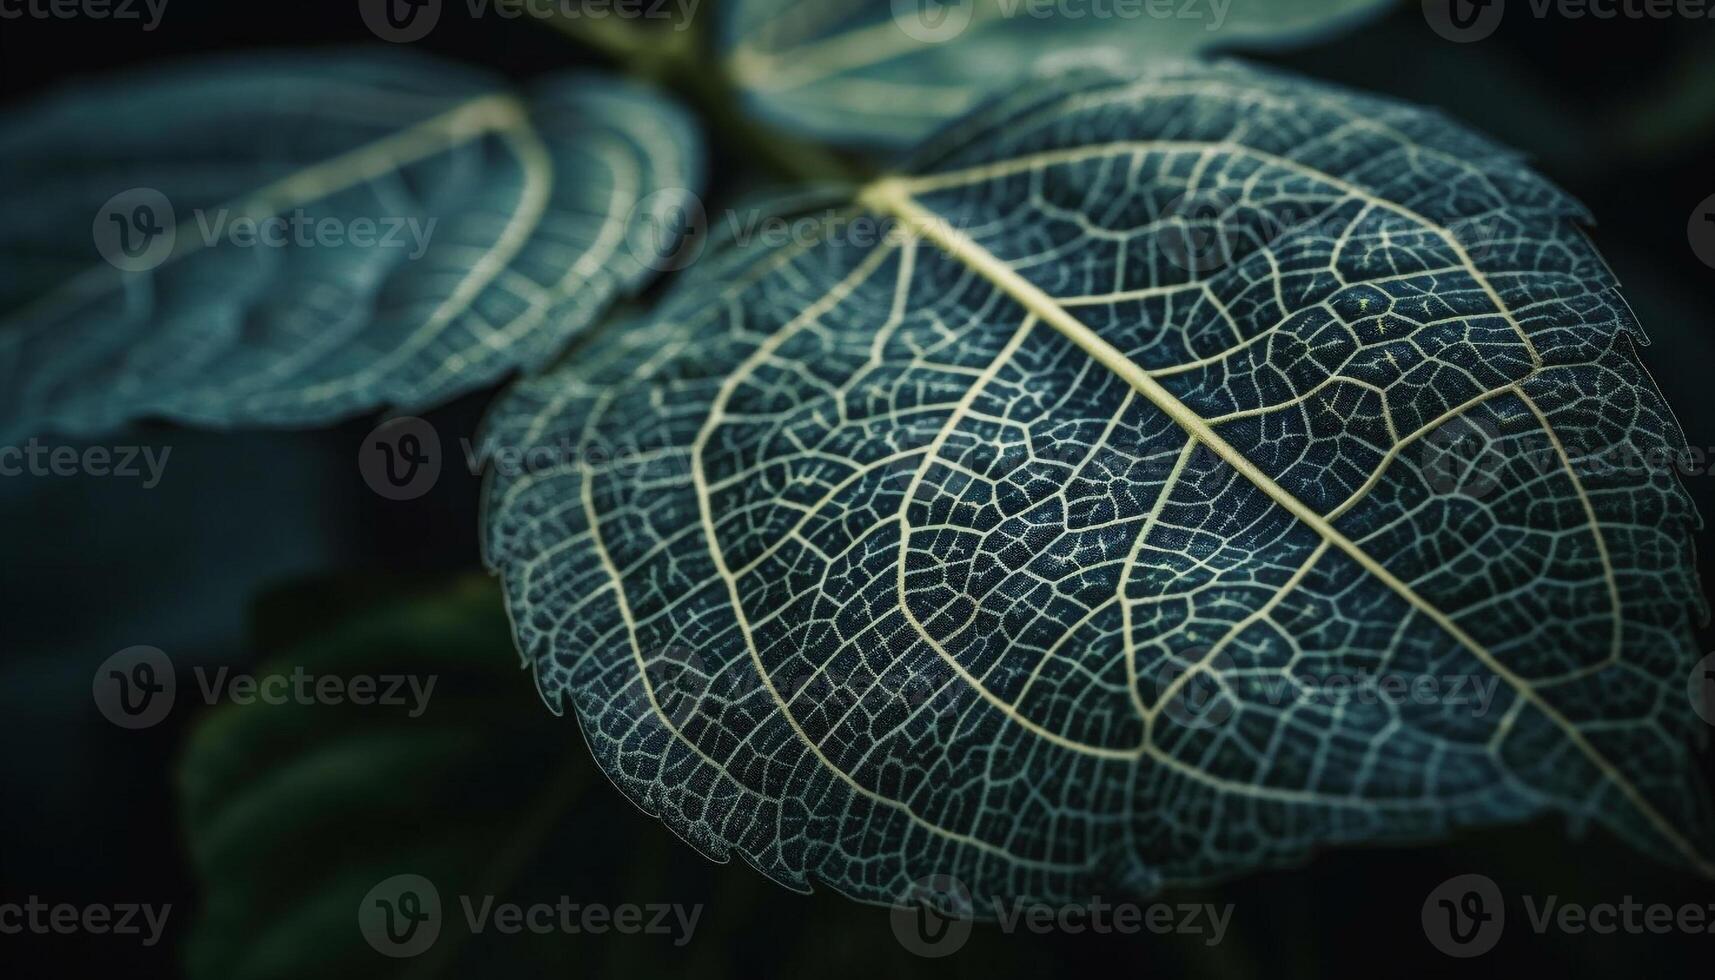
[[877, 561], [294, 812], [879, 73], [441, 232]]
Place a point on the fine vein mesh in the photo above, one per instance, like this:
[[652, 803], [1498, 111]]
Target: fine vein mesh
[[873, 561]]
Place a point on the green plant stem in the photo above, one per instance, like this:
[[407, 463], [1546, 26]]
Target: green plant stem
[[683, 61]]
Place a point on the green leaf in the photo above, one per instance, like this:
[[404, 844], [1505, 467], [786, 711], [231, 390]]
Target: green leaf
[[888, 73], [1201, 468], [294, 811], [291, 240]]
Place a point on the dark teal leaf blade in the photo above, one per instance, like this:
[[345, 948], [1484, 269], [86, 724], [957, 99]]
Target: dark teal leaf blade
[[430, 231], [880, 73], [877, 561]]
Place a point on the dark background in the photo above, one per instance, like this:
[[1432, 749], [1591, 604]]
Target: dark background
[[1621, 113]]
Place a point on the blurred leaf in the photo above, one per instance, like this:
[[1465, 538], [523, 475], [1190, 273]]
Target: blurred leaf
[[889, 72], [1476, 84], [293, 239], [1675, 115], [295, 811]]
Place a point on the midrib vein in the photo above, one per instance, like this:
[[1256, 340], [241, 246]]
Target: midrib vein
[[890, 196]]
